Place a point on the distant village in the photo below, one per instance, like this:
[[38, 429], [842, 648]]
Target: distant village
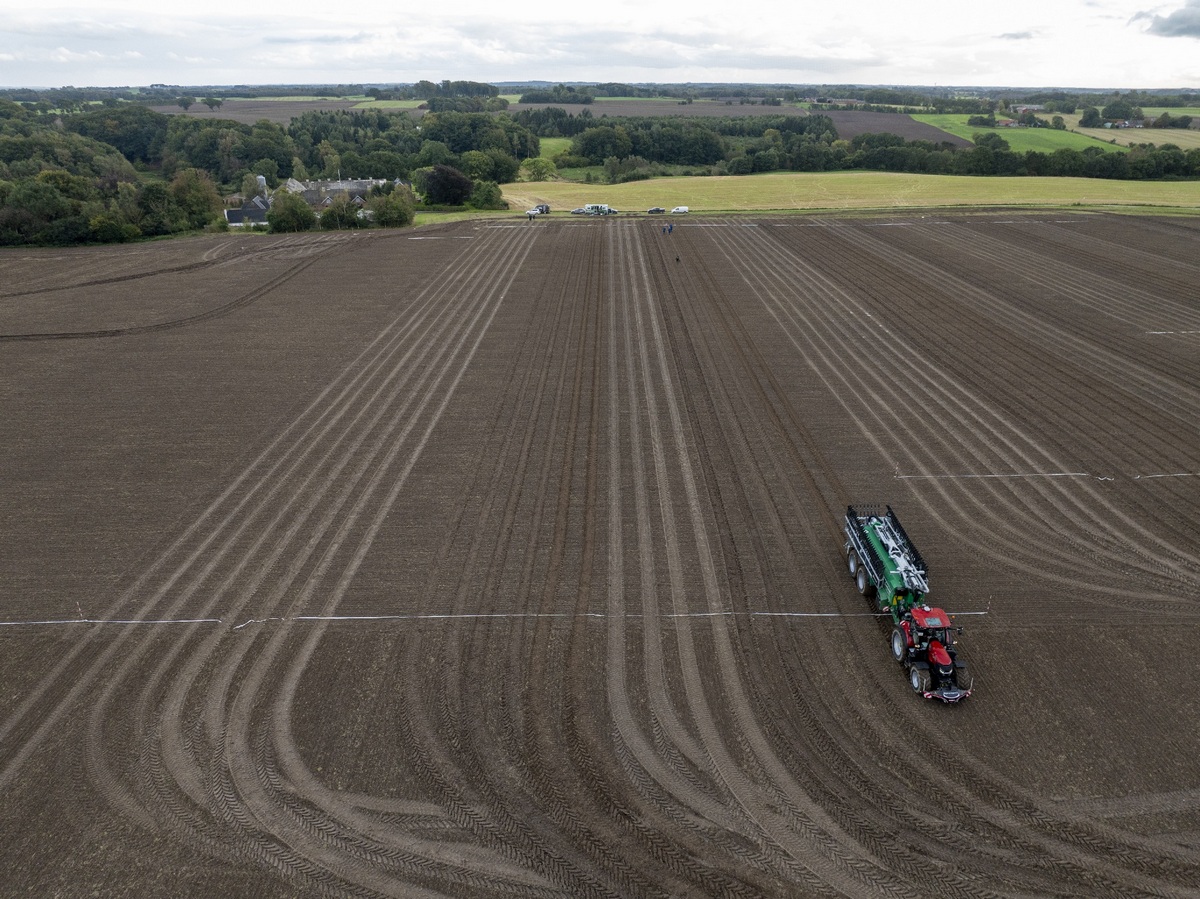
[[247, 212]]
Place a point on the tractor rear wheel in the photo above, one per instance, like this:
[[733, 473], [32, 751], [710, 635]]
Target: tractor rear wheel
[[899, 645], [919, 678]]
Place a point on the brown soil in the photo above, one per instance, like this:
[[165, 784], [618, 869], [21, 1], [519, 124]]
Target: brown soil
[[850, 123], [504, 559]]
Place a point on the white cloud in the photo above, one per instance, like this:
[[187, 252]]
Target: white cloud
[[1184, 22], [1095, 43]]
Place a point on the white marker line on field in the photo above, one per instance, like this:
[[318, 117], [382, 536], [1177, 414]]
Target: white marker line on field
[[1048, 474], [450, 616], [1036, 474], [1173, 332], [115, 621]]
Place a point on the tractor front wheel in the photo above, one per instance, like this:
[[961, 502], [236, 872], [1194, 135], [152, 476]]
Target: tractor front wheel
[[899, 645], [919, 678], [963, 678]]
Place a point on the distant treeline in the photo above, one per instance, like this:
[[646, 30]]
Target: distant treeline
[[111, 169]]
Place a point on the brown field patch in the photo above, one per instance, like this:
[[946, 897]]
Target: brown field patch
[[504, 559], [851, 123]]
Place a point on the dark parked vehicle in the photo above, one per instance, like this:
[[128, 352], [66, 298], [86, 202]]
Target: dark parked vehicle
[[656, 210]]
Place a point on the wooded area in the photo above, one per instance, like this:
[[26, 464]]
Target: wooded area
[[99, 165]]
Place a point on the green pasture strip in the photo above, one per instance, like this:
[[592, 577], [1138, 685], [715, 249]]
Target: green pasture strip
[[665, 102], [1184, 138], [388, 104], [442, 218], [671, 100], [1176, 112], [359, 97], [552, 146], [780, 192], [1020, 140]]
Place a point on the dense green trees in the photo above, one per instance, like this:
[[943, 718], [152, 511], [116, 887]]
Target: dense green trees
[[443, 185], [68, 156], [392, 208], [289, 212], [138, 132], [560, 93], [340, 215]]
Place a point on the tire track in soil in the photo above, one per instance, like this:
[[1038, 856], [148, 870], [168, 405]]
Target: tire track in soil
[[1003, 494], [1107, 525], [1143, 434], [223, 309], [757, 253], [99, 765], [831, 743], [1075, 845], [347, 856], [539, 431], [654, 401], [751, 392], [792, 836]]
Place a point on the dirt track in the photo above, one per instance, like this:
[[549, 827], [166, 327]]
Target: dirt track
[[504, 560]]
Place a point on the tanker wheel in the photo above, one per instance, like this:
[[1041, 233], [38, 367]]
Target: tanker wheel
[[899, 645], [852, 562], [919, 678], [864, 586]]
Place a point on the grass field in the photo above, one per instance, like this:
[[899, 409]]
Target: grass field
[[295, 99], [785, 192], [1042, 140], [389, 104], [552, 146], [1156, 111], [1184, 138]]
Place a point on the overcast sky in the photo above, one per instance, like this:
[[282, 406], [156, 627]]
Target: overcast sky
[[1023, 43]]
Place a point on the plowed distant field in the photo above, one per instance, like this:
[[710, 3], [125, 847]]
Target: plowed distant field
[[505, 560]]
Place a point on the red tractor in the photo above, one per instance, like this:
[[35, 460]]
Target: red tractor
[[923, 642]]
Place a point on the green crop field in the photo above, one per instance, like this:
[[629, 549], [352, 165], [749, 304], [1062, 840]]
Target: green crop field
[[1175, 111], [552, 146], [1020, 140], [296, 99], [389, 104], [842, 191], [1184, 138]]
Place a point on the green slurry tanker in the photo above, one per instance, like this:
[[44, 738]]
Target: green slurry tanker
[[885, 564]]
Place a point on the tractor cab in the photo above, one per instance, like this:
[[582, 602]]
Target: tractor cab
[[931, 625]]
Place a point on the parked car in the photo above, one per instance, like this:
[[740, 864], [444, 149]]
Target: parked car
[[532, 212], [542, 208], [679, 210], [578, 210], [656, 210]]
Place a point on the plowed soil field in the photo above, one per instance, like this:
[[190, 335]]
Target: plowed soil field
[[505, 560]]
